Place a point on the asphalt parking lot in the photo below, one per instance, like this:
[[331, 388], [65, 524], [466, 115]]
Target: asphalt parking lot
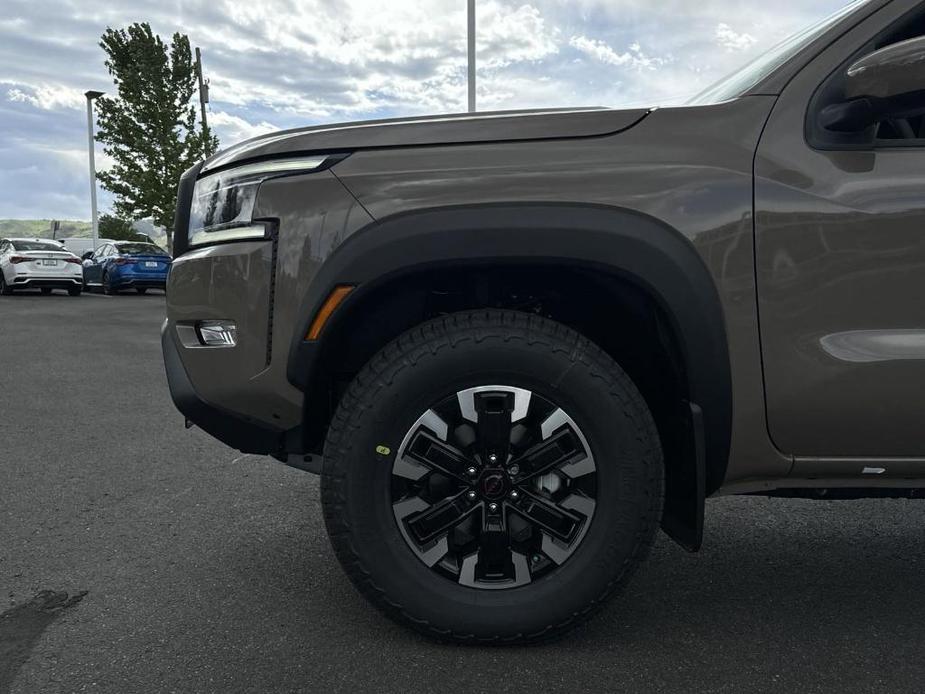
[[208, 570]]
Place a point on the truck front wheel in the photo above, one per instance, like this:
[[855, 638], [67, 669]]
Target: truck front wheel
[[491, 476]]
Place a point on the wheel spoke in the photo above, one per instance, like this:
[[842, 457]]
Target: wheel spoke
[[562, 448], [426, 449], [559, 522], [428, 524], [472, 575], [555, 550], [495, 554], [494, 411]]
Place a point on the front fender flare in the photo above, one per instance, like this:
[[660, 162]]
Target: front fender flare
[[628, 244]]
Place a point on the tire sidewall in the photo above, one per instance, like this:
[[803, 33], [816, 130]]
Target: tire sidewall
[[618, 432]]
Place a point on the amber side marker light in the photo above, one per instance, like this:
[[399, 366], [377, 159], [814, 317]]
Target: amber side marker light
[[337, 295]]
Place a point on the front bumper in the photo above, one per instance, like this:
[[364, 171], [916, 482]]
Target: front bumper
[[242, 383], [258, 285], [228, 427]]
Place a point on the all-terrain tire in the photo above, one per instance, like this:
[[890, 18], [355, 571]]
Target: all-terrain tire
[[465, 350]]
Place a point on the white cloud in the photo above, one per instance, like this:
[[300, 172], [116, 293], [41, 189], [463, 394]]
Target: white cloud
[[731, 40], [231, 128], [599, 50], [508, 37], [47, 96]]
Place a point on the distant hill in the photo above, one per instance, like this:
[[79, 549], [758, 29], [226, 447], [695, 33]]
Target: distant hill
[[41, 228]]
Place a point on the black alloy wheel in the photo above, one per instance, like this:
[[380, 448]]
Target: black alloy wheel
[[494, 487]]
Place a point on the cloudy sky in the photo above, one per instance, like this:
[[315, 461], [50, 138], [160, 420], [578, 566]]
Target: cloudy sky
[[283, 63]]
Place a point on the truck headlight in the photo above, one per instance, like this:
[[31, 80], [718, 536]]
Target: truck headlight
[[223, 202]]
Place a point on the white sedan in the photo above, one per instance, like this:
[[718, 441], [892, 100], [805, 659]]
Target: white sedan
[[38, 263]]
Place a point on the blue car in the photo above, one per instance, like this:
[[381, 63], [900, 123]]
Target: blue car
[[120, 265]]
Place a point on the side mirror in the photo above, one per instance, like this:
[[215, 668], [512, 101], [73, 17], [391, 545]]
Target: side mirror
[[87, 255], [889, 83], [890, 72]]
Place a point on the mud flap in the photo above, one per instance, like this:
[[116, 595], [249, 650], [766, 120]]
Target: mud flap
[[685, 486]]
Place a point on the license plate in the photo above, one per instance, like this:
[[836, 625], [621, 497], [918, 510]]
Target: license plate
[[50, 263], [150, 263]]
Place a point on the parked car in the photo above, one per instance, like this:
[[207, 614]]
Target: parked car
[[79, 245], [38, 264], [523, 341], [120, 265]]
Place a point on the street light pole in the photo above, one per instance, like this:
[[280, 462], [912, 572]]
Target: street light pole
[[95, 228], [203, 97], [470, 40]]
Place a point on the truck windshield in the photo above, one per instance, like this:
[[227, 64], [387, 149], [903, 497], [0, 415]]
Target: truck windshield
[[739, 82]]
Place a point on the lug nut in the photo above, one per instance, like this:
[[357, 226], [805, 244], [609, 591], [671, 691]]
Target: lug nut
[[515, 494], [493, 458], [471, 495], [472, 472], [514, 470], [493, 507]]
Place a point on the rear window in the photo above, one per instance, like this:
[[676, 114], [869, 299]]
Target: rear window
[[36, 246], [140, 249]]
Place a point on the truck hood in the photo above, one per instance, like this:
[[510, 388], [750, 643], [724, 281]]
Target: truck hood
[[497, 126]]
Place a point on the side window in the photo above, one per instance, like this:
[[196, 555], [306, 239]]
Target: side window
[[3, 247], [854, 112], [911, 124]]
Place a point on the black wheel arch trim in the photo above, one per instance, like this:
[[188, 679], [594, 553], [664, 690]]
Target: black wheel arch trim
[[623, 242]]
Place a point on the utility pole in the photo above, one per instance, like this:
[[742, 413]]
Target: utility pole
[[471, 43], [95, 222], [203, 96]]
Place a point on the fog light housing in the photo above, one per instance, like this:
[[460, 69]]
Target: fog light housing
[[217, 333]]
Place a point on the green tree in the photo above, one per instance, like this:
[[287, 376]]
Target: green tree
[[116, 228], [150, 129]]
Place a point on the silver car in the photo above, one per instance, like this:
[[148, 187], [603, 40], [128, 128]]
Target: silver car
[[38, 264]]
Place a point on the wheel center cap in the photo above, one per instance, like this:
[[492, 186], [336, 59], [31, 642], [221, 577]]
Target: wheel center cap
[[493, 484]]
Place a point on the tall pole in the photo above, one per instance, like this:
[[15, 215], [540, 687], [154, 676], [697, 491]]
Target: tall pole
[[95, 222], [203, 97], [471, 43]]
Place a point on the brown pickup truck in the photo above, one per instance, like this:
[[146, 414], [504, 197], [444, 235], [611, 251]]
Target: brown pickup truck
[[515, 345]]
